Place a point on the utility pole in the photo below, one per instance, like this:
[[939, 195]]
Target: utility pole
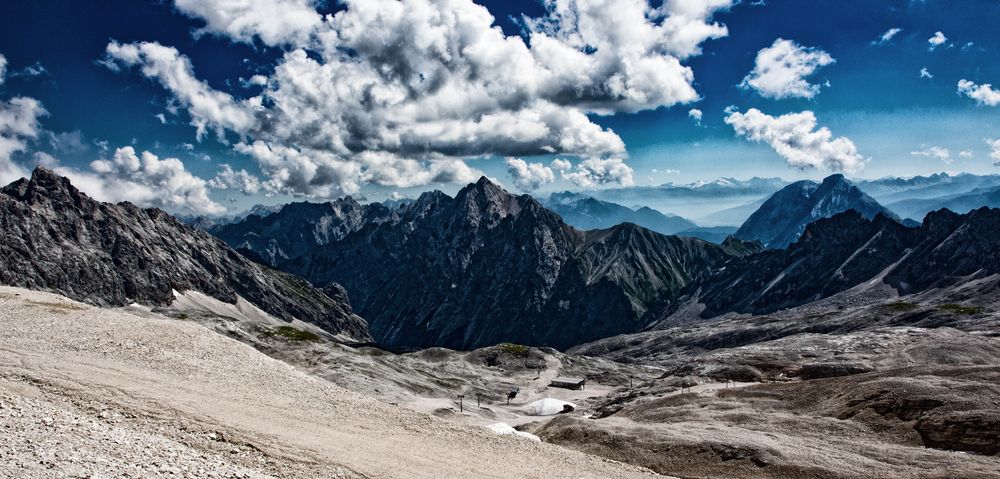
[[460, 398]]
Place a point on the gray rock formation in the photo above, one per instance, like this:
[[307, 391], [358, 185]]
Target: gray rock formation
[[488, 267], [54, 237], [298, 228]]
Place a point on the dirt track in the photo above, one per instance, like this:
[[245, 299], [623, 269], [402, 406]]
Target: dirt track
[[99, 393]]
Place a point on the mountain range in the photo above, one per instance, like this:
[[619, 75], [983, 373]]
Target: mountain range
[[917, 208], [54, 237], [483, 267], [785, 215], [588, 213], [953, 254], [891, 190], [298, 228]]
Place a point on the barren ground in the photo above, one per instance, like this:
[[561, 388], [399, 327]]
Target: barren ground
[[86, 392]]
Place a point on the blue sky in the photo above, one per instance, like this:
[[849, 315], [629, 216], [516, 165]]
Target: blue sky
[[872, 94]]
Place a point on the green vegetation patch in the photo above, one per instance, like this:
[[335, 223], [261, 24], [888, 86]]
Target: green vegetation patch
[[292, 334], [901, 307], [516, 350], [962, 309]]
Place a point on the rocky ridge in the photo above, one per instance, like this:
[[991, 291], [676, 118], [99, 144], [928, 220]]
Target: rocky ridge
[[54, 237]]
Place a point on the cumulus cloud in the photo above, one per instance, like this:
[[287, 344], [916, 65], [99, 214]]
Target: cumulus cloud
[[529, 176], [275, 22], [887, 36], [924, 73], [559, 164], [3, 68], [983, 94], [781, 70], [19, 124], [594, 172], [229, 179], [934, 152], [994, 150], [208, 108], [696, 115], [795, 137], [146, 180], [937, 40], [966, 154], [417, 86]]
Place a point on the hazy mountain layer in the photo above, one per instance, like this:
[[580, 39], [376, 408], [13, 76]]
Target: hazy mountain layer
[[587, 213], [916, 209]]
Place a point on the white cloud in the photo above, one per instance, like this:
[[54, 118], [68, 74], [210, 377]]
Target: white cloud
[[419, 85], [934, 152], [994, 150], [229, 179], [560, 165], [781, 70], [696, 115], [208, 108], [529, 176], [794, 136], [3, 68], [937, 40], [924, 73], [594, 172], [145, 180], [966, 154], [18, 125], [983, 94], [275, 22], [887, 36], [161, 117]]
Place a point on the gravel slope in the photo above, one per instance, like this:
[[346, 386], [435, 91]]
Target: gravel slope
[[87, 392]]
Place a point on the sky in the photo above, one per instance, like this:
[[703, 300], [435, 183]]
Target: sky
[[210, 106]]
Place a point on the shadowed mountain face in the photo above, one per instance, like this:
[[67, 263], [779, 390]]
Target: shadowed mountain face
[[948, 251], [487, 267], [784, 216], [586, 213], [300, 227], [54, 237]]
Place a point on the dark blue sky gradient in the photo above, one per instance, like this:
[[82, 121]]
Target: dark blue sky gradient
[[876, 97]]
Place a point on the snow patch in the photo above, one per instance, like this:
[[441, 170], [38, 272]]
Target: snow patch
[[547, 407], [504, 428]]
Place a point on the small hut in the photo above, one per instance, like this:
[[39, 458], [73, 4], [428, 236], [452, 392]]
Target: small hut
[[569, 383]]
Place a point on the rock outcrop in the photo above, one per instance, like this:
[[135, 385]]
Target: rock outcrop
[[54, 237], [298, 228], [488, 267], [948, 253]]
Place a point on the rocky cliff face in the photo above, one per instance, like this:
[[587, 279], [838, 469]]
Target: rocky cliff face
[[487, 267], [784, 216], [300, 227], [948, 251], [54, 237]]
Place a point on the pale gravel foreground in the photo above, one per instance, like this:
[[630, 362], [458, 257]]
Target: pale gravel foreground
[[89, 392]]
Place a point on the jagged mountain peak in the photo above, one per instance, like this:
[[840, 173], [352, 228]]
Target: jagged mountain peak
[[44, 185], [783, 218], [52, 235], [487, 203]]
